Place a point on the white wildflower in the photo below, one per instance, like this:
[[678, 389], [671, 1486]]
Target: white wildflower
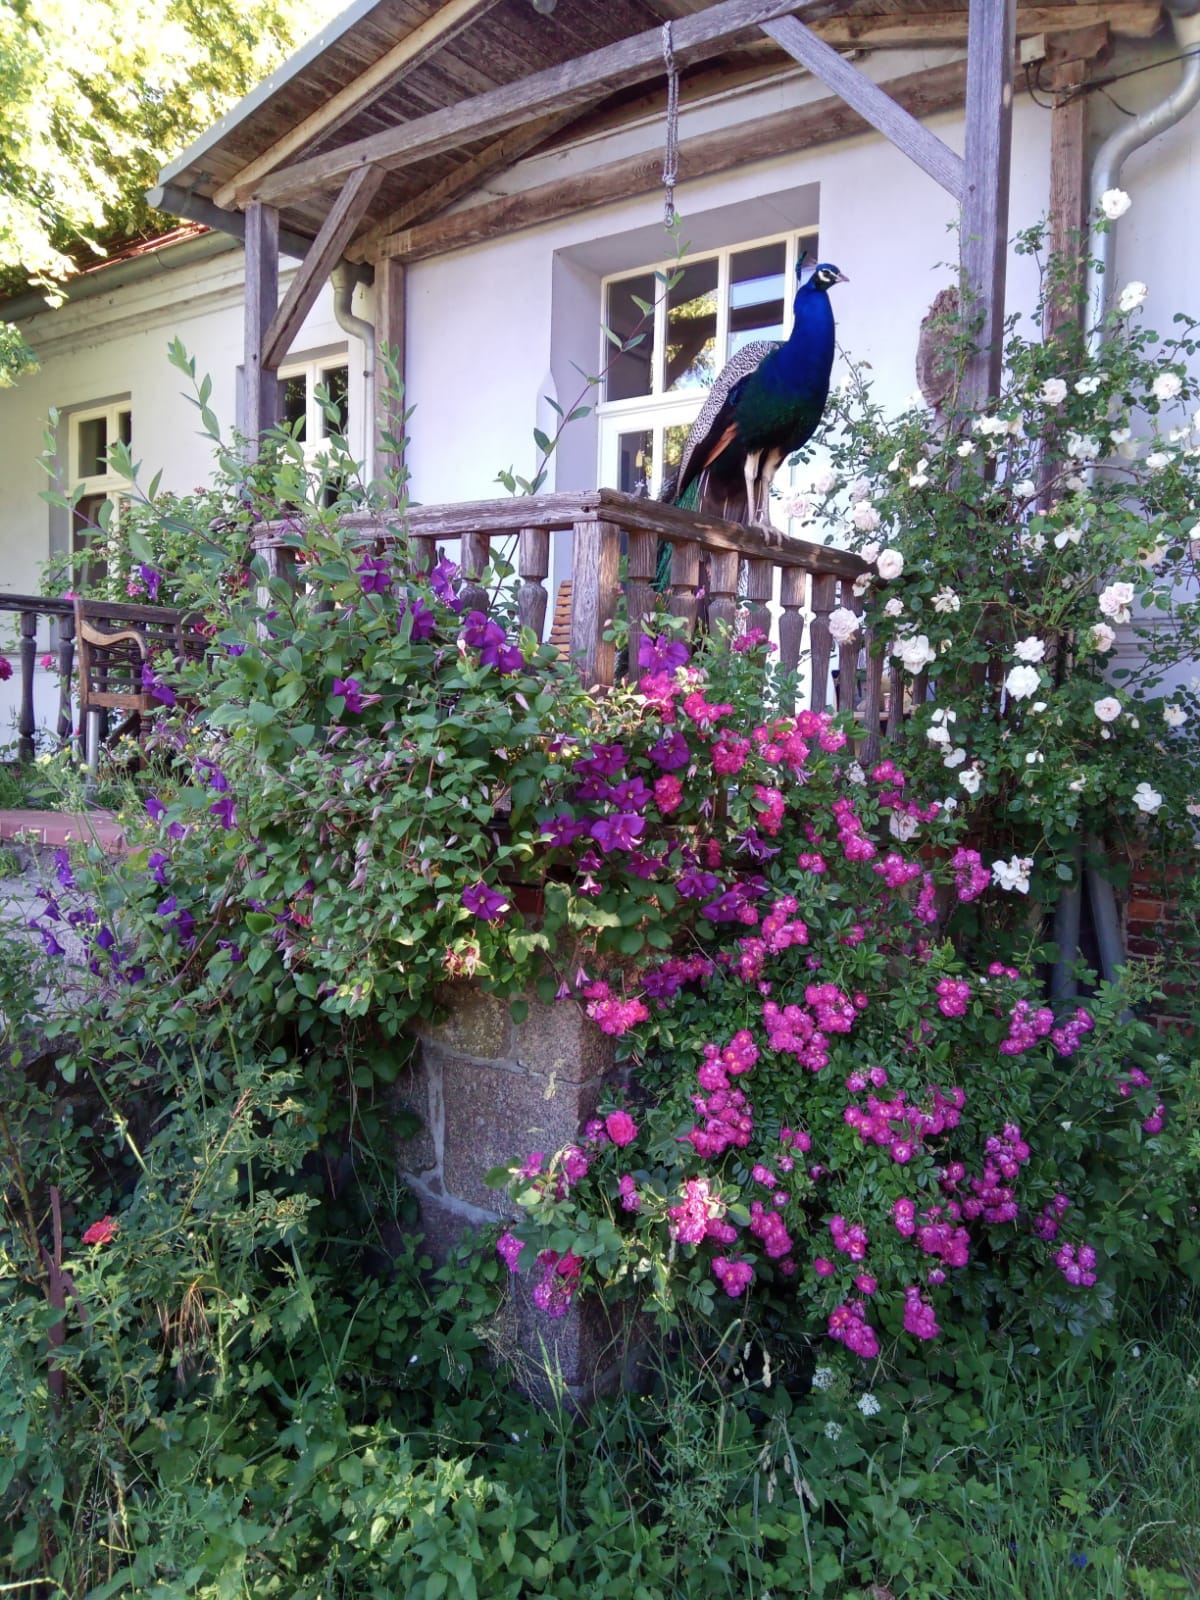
[[1035, 543], [855, 773], [950, 803], [1025, 488], [1115, 601], [990, 427], [1066, 536], [1031, 649], [843, 625], [1167, 386], [941, 714], [1082, 447], [1038, 705], [894, 464], [1013, 874], [946, 600], [1114, 203], [1147, 799], [833, 1430], [1088, 384], [938, 734], [1022, 682], [869, 1405], [1132, 296], [1034, 758], [822, 1378], [889, 564], [967, 447], [971, 778], [1174, 716], [1108, 709], [1103, 636], [1053, 391], [1157, 460], [920, 477]]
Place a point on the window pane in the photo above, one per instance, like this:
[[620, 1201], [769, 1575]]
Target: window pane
[[125, 426], [93, 447], [87, 535], [757, 295], [635, 462], [674, 439], [335, 382], [691, 355], [629, 373], [295, 404]]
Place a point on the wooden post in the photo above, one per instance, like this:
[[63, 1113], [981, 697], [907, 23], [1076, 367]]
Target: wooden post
[[595, 569], [390, 398], [262, 408], [533, 563], [1067, 58], [983, 230], [26, 719], [66, 665]]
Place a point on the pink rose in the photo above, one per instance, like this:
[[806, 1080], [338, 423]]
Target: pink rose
[[620, 1127]]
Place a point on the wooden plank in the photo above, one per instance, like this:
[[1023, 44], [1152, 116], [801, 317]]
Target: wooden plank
[[983, 229], [802, 128], [595, 569], [390, 343], [1134, 19], [262, 397], [344, 216], [1068, 57], [504, 152], [574, 83], [433, 34], [871, 102]]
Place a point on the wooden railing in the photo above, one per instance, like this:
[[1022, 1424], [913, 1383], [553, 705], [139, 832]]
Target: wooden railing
[[721, 567], [29, 608]]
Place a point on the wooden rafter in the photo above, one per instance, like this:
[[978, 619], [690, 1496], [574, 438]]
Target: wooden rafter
[[800, 128], [573, 84], [871, 102], [1135, 19], [503, 152], [344, 215], [431, 35]]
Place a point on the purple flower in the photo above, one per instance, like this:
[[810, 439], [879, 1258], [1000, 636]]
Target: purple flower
[[631, 795], [671, 753], [562, 830], [225, 811], [484, 903], [374, 574], [105, 939], [489, 638], [151, 579], [235, 650], [235, 951], [757, 847], [155, 809], [424, 620], [176, 831], [49, 943], [662, 654], [441, 581], [508, 1248], [620, 832], [154, 686], [695, 885], [213, 775], [62, 869], [603, 761], [351, 690]]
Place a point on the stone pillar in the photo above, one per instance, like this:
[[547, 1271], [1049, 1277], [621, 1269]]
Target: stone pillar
[[489, 1091]]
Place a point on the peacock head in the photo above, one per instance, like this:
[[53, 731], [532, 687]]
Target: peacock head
[[824, 277]]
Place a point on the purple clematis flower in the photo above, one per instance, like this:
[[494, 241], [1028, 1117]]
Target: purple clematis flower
[[489, 638], [602, 761], [671, 753], [225, 811], [423, 619], [694, 884], [374, 574], [62, 869], [156, 864], [155, 809], [484, 903], [662, 654], [562, 830], [151, 579], [441, 581], [49, 943], [351, 691], [153, 685], [620, 832]]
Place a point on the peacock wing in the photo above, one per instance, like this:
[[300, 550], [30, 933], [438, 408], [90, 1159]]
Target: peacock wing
[[717, 416]]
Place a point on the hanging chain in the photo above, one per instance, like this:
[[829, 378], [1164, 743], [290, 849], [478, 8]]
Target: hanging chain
[[671, 153]]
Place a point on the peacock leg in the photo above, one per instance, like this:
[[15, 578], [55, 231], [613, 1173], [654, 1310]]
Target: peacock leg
[[751, 471], [772, 463]]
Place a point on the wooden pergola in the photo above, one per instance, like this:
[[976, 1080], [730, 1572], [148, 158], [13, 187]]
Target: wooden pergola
[[360, 148]]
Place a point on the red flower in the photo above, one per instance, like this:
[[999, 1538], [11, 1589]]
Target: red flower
[[100, 1232], [5, 669]]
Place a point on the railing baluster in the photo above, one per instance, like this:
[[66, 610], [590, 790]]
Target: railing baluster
[[823, 591], [533, 563], [26, 721], [476, 553], [722, 588], [760, 573], [793, 585], [895, 702], [66, 672], [872, 712], [847, 685], [595, 574], [643, 568], [685, 580]]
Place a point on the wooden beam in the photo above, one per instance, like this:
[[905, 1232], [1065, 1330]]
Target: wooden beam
[[390, 398], [802, 128], [1135, 19], [345, 214], [438, 30], [983, 228], [504, 152], [262, 409], [911, 137], [1067, 60], [574, 83]]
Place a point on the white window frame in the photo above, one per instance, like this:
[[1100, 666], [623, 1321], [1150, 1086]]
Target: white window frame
[[107, 482], [656, 412], [314, 371]]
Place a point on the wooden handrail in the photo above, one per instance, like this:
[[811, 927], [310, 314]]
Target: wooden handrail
[[29, 607]]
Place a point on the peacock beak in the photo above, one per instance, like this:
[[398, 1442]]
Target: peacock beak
[[841, 278]]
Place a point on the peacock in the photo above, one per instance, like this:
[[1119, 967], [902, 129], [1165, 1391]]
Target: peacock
[[766, 403]]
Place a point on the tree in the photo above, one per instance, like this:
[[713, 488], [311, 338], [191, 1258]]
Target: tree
[[97, 94]]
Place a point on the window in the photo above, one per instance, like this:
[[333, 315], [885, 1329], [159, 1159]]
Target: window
[[93, 433], [304, 412], [653, 391]]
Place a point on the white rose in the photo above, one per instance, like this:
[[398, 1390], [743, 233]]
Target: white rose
[[901, 826], [1022, 682], [893, 608], [971, 778], [865, 517], [1157, 460], [825, 482], [1167, 386], [1013, 874], [870, 551], [1115, 601], [1082, 447], [798, 506], [1031, 649], [861, 585], [938, 734], [955, 759], [843, 625], [889, 564], [915, 654], [1066, 536], [894, 464], [1133, 295], [946, 600], [942, 715], [1174, 716], [919, 478], [1025, 488], [1108, 709], [860, 489], [1114, 203], [1103, 636], [1088, 384], [1147, 799], [1054, 391], [967, 447]]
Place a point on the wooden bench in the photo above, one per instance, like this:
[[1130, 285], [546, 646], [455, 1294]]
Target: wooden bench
[[114, 644]]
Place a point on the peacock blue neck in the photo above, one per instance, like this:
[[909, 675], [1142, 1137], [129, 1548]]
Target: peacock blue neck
[[808, 352]]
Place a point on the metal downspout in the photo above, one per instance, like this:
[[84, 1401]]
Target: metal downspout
[[344, 278]]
